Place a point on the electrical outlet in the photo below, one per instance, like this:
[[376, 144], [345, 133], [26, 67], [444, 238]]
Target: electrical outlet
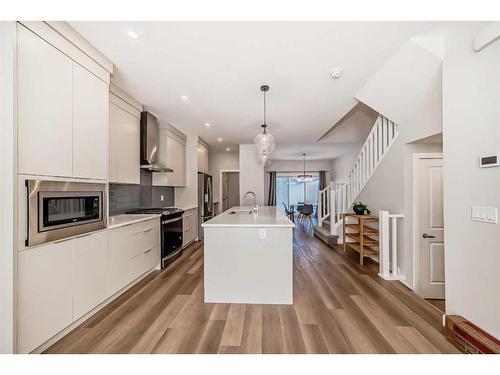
[[162, 197], [262, 234]]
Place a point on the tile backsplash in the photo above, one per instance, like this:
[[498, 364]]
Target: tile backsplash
[[124, 197]]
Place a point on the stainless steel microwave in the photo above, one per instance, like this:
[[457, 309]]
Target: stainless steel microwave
[[58, 209]]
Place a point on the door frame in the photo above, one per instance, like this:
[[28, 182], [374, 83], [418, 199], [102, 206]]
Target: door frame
[[220, 184], [416, 215]]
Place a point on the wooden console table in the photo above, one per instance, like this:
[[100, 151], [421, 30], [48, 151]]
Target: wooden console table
[[364, 238]]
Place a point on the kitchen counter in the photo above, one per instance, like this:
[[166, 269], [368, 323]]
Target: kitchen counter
[[126, 219], [266, 216], [249, 257]]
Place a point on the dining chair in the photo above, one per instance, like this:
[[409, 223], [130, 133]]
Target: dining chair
[[289, 213], [306, 212]]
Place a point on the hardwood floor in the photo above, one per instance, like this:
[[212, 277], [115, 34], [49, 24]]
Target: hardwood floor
[[339, 307]]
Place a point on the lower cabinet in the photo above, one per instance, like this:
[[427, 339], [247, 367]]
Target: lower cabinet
[[60, 282], [45, 293], [90, 272], [134, 249], [189, 226]]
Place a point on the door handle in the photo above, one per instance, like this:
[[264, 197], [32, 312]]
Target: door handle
[[425, 235]]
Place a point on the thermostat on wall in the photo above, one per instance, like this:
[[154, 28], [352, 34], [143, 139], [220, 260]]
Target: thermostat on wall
[[489, 161]]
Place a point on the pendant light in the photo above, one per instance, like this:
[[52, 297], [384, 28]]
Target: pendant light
[[304, 177], [264, 142]]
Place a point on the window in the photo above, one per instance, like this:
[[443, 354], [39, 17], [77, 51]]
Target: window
[[291, 191]]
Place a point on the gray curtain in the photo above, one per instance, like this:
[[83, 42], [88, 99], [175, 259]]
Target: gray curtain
[[271, 197], [322, 180]]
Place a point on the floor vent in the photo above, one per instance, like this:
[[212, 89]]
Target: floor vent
[[469, 338]]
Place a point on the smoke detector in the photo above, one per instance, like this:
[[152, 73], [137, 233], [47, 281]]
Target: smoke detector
[[336, 73]]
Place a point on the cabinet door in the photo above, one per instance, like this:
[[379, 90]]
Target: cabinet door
[[44, 107], [124, 146], [90, 124], [202, 160], [119, 258], [44, 293], [90, 272], [160, 179], [176, 158]]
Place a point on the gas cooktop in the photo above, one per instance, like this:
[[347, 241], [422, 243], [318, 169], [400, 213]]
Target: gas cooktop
[[156, 210]]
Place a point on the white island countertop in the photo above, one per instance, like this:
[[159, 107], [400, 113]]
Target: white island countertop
[[126, 219], [266, 216]]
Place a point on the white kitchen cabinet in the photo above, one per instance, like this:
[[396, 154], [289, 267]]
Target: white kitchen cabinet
[[90, 272], [62, 113], [124, 146], [45, 107], [134, 249], [189, 226], [90, 124], [173, 157], [44, 293], [202, 159]]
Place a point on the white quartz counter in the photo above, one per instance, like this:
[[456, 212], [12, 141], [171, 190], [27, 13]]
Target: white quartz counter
[[126, 219], [266, 216]]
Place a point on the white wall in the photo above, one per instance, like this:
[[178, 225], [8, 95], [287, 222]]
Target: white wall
[[407, 90], [251, 175], [219, 161], [7, 185], [341, 166], [471, 128]]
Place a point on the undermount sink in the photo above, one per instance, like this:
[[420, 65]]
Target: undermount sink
[[240, 212]]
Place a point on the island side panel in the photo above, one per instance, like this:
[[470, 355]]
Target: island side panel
[[241, 268]]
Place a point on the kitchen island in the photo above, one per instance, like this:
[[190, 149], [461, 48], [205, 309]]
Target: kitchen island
[[248, 257]]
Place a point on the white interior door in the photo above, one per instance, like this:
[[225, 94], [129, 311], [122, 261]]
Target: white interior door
[[429, 197]]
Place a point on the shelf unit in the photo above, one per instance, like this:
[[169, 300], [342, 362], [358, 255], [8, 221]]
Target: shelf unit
[[363, 238]]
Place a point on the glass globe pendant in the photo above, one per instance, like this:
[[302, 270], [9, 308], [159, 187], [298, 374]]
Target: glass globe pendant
[[264, 142]]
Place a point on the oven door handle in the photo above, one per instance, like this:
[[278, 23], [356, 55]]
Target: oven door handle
[[171, 220]]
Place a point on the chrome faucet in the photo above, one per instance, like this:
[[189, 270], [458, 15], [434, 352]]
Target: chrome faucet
[[255, 207]]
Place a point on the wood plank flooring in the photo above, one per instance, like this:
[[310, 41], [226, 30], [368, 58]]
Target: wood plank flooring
[[339, 307]]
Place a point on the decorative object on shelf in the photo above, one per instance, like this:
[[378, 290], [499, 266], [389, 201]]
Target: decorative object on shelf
[[264, 142], [304, 177], [360, 209]]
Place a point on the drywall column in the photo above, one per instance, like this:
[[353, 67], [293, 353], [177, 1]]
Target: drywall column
[[251, 175], [7, 185], [471, 128]]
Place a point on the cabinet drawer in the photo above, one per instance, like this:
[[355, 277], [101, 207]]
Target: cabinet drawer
[[145, 260], [144, 237]]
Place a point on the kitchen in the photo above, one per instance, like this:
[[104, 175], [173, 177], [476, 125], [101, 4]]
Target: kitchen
[[129, 236]]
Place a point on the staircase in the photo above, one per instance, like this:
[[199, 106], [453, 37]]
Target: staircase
[[336, 199]]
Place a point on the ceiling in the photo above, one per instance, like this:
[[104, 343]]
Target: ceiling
[[219, 67]]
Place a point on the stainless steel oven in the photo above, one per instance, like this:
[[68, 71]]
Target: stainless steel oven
[[58, 209]]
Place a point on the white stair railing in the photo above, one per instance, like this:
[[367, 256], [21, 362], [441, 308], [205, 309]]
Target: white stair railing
[[388, 245], [338, 198]]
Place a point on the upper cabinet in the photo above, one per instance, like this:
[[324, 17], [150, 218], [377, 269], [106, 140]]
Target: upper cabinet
[[45, 107], [62, 113], [202, 158], [172, 153], [90, 120], [124, 139]]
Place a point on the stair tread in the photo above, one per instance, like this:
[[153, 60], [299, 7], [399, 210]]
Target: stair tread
[[324, 231]]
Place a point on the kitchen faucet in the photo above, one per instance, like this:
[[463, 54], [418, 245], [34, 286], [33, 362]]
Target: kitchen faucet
[[255, 207]]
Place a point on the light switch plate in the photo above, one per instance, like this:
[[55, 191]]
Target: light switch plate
[[485, 214]]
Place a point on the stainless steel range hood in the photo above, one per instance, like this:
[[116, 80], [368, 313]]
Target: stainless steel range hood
[[149, 144]]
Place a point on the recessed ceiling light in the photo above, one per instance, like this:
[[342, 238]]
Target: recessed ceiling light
[[336, 73], [207, 124], [184, 97], [219, 139], [228, 149], [133, 34]]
